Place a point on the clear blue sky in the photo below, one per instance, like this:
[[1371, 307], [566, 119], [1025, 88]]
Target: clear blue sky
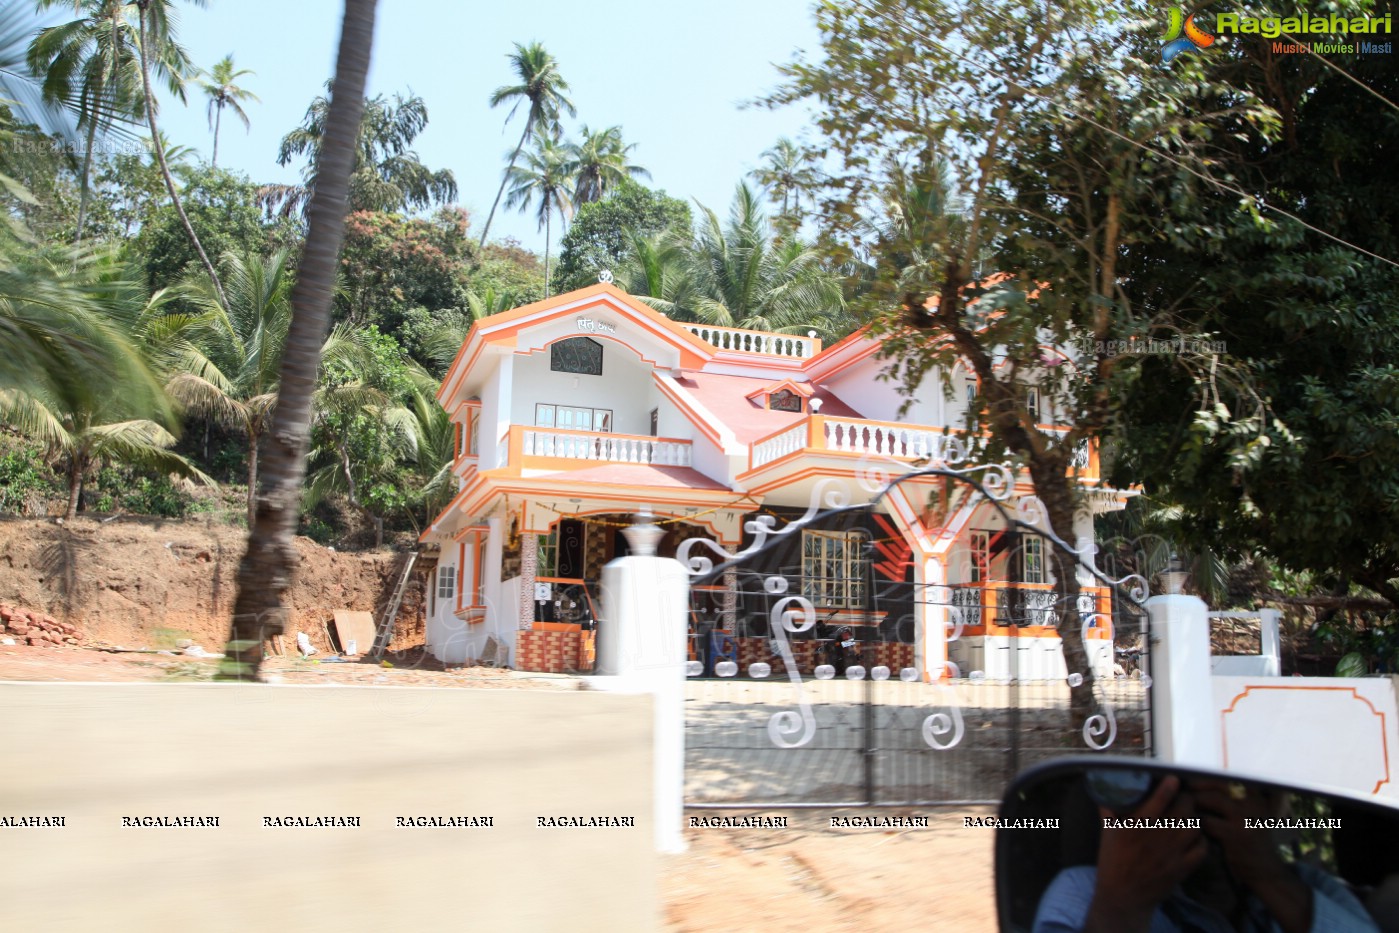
[[672, 75]]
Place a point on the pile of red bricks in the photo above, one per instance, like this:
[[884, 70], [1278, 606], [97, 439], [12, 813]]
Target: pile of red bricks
[[34, 628], [554, 652]]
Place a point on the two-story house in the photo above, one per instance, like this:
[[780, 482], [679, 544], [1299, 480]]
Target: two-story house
[[575, 412]]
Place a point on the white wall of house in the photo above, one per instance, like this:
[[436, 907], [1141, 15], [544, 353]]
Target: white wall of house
[[495, 412], [880, 400], [706, 457], [624, 388], [1037, 658], [453, 640]]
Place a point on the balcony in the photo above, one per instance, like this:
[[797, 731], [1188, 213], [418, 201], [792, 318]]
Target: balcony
[[756, 342], [534, 447], [831, 435]]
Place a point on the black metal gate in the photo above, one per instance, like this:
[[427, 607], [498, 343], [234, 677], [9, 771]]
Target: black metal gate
[[803, 687]]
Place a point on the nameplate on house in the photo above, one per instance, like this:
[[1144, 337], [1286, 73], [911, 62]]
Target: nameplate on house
[[589, 326]]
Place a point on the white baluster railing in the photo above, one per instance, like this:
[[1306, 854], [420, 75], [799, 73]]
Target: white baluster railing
[[779, 445], [755, 341], [884, 440], [610, 448]]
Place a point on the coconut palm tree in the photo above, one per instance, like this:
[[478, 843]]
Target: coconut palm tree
[[110, 408], [743, 277], [229, 367], [657, 270], [155, 32], [387, 175], [598, 164], [544, 90], [219, 85], [787, 176], [545, 176], [93, 61], [267, 566]]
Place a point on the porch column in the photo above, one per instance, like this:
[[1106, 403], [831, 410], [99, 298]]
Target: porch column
[[930, 614], [730, 601], [529, 565], [1083, 542]]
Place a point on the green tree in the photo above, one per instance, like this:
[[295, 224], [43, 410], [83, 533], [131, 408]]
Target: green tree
[[223, 92], [156, 42], [1068, 144], [362, 433], [598, 164], [743, 277], [391, 264], [600, 234], [85, 423], [230, 366], [545, 178], [544, 91], [788, 176], [267, 566], [1288, 447], [221, 206], [387, 176], [94, 61]]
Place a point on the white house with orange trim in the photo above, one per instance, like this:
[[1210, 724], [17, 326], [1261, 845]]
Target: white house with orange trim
[[576, 412]]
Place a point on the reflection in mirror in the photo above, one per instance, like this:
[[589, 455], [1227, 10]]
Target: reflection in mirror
[[1137, 846]]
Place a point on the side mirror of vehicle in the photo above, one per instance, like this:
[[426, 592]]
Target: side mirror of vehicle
[[1126, 843]]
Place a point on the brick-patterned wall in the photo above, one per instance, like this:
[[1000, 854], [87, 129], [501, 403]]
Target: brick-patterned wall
[[893, 655], [554, 652]]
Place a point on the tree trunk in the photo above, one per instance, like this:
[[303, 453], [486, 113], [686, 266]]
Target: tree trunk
[[547, 215], [1054, 488], [267, 567], [75, 487], [160, 159], [84, 192], [496, 203], [254, 438], [218, 121]]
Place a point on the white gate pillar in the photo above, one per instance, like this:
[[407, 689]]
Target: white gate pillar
[[1185, 723], [641, 648], [930, 615]]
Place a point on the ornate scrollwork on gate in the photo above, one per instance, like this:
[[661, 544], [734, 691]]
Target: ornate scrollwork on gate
[[944, 727]]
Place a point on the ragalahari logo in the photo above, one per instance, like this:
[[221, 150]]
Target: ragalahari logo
[[1182, 35]]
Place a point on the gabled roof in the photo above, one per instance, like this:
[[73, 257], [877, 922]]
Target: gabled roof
[[584, 305]]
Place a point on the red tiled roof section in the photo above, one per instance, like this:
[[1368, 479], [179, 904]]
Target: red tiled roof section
[[638, 475], [727, 398]]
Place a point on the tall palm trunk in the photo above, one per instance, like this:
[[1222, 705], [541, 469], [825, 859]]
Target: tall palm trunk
[[547, 215], [84, 192], [75, 487], [529, 125], [218, 121], [254, 438], [266, 570], [142, 6]]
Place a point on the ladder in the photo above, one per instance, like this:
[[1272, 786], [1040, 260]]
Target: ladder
[[390, 617]]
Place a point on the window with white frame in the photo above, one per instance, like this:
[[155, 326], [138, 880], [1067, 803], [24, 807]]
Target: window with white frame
[[1030, 396], [573, 418], [446, 583], [1032, 560], [979, 551], [833, 568]]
